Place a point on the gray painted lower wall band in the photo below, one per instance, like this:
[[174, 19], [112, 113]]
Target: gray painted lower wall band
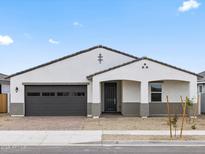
[[160, 109], [130, 109], [17, 108], [96, 109], [89, 108], [152, 109], [135, 109], [144, 110], [191, 110]]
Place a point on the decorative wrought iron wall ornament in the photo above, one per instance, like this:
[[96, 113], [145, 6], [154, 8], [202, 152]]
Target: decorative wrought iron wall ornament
[[100, 58]]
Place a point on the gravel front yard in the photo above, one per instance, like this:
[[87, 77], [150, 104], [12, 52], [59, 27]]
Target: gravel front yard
[[83, 123], [41, 123]]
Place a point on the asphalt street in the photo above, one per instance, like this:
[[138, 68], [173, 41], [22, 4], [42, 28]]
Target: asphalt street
[[103, 150]]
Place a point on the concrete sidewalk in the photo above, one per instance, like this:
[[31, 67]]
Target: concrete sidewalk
[[37, 138]]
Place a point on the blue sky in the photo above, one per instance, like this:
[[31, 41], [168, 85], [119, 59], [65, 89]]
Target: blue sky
[[37, 31]]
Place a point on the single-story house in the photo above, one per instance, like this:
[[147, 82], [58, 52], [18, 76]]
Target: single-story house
[[100, 80], [201, 90], [5, 87]]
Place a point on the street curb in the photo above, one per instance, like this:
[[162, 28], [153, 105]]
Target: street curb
[[158, 143], [129, 144], [154, 142]]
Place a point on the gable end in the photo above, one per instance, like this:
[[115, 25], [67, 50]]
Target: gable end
[[143, 58], [72, 55]]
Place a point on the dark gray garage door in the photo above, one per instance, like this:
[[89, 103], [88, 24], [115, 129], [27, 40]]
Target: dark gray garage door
[[56, 100]]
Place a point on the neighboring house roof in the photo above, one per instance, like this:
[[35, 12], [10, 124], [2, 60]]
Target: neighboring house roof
[[3, 78], [143, 58], [72, 55], [202, 78]]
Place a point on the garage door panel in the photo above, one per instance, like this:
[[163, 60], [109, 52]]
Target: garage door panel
[[51, 102]]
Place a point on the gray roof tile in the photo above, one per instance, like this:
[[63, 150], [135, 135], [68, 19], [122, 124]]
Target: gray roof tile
[[202, 78], [3, 77]]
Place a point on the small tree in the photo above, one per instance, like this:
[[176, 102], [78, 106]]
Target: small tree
[[174, 124], [196, 107], [195, 113], [169, 117], [183, 114], [189, 104]]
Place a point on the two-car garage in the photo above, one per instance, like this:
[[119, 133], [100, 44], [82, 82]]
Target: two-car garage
[[55, 100]]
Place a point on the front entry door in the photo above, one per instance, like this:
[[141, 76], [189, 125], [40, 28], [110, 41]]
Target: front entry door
[[110, 97]]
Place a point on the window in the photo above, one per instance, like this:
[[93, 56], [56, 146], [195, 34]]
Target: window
[[156, 92], [48, 94], [63, 93], [33, 94], [200, 89], [78, 94]]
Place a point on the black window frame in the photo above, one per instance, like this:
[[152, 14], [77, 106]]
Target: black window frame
[[48, 94], [200, 89], [61, 94], [78, 94], [33, 94], [156, 91]]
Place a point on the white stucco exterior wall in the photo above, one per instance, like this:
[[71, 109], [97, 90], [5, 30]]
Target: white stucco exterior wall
[[96, 92], [71, 70], [130, 91], [175, 89]]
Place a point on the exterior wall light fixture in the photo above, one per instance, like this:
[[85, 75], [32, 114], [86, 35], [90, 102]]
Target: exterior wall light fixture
[[16, 89]]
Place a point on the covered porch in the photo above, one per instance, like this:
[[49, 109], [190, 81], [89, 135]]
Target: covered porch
[[135, 98]]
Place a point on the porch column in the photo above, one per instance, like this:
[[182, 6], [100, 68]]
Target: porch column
[[96, 101], [144, 96]]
